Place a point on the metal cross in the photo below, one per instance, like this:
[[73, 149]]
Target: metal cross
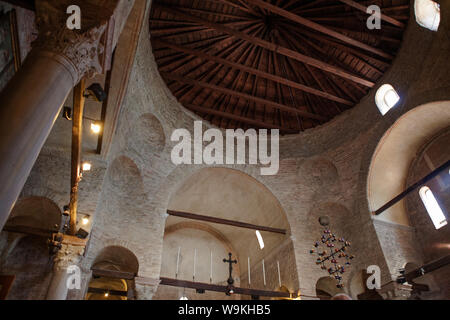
[[230, 279]]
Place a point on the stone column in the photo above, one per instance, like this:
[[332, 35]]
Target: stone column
[[145, 288], [33, 99], [69, 255], [395, 291]]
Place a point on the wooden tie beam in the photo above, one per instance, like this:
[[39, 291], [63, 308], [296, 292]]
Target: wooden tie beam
[[224, 289], [193, 216], [419, 183]]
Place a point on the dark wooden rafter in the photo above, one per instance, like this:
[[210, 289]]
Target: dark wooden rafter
[[239, 224], [363, 8], [257, 72], [239, 94], [320, 28], [270, 46], [269, 64]]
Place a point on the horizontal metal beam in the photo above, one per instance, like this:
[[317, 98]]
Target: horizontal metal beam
[[193, 216], [419, 183], [224, 289]]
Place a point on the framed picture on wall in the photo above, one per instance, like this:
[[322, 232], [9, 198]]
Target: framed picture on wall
[[9, 47]]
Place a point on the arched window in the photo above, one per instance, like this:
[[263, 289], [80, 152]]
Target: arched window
[[260, 239], [428, 14], [433, 208], [386, 98]]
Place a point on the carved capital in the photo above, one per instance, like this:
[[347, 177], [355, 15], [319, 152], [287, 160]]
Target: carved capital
[[83, 51], [68, 255]]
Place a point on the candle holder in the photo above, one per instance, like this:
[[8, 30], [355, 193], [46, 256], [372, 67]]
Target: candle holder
[[332, 255]]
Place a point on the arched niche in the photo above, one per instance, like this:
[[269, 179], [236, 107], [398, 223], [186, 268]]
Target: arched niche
[[35, 212], [233, 195], [319, 173], [147, 135], [326, 288], [395, 152], [112, 287], [26, 256]]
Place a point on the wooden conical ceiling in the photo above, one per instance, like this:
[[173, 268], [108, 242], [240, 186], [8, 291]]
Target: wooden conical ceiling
[[287, 64]]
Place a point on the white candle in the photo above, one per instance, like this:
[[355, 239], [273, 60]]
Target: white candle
[[195, 261], [249, 279], [264, 273], [210, 271], [178, 261], [279, 275]]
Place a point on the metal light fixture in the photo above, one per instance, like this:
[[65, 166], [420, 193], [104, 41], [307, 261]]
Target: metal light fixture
[[96, 91]]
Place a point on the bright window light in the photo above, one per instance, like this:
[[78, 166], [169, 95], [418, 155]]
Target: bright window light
[[386, 98], [433, 208], [428, 14], [260, 239]]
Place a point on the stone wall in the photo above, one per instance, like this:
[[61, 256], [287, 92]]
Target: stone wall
[[322, 171]]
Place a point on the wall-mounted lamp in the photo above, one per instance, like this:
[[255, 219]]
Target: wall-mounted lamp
[[96, 127], [106, 294], [96, 91], [85, 220], [86, 166]]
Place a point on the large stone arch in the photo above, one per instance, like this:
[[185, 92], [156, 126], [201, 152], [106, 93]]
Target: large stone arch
[[395, 152]]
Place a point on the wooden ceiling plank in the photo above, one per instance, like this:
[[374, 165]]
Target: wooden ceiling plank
[[270, 46], [193, 82], [263, 74], [363, 8], [308, 23], [235, 117]]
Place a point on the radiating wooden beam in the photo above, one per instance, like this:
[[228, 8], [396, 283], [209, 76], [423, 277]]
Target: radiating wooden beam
[[77, 131], [254, 71], [413, 187], [363, 8], [270, 103], [26, 4], [317, 27], [269, 46], [233, 223], [224, 289], [235, 117]]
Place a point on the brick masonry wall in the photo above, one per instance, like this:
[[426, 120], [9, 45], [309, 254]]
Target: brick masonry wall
[[322, 171]]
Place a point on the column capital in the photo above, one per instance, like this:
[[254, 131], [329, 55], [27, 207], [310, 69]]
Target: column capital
[[67, 256], [83, 52], [395, 291]]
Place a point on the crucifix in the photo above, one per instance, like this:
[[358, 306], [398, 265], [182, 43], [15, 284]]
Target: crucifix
[[230, 279]]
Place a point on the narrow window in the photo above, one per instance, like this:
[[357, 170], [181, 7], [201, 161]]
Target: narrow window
[[386, 98], [428, 14], [260, 239], [433, 208]]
